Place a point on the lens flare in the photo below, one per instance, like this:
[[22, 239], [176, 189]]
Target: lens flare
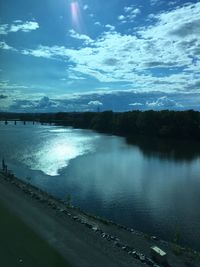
[[75, 13]]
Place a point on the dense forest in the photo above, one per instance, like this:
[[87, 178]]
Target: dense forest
[[165, 123]]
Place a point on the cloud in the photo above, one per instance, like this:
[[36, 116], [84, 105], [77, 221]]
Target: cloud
[[45, 103], [110, 27], [194, 85], [121, 17], [5, 46], [85, 7], [6, 85], [3, 96], [41, 51], [87, 40], [3, 29], [95, 103], [164, 103], [106, 100], [25, 27], [131, 12], [136, 104], [156, 2], [18, 25], [97, 23], [74, 76], [155, 57]]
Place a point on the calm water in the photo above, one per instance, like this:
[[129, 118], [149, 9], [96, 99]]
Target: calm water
[[148, 185]]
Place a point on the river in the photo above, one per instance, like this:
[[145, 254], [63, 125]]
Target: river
[[146, 184]]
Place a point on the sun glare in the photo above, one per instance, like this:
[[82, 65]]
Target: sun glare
[[75, 14]]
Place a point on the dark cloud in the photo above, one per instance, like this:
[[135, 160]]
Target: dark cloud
[[194, 86], [3, 96], [188, 28], [111, 61], [155, 64], [45, 103]]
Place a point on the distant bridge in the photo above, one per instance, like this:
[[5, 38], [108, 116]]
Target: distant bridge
[[15, 121]]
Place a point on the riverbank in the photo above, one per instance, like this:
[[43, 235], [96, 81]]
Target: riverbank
[[82, 239]]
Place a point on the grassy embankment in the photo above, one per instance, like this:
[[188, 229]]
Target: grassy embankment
[[20, 246]]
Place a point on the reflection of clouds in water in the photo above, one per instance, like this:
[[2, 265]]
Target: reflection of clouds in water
[[127, 177], [56, 153]]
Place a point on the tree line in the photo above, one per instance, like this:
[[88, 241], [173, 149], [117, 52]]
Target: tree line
[[165, 123]]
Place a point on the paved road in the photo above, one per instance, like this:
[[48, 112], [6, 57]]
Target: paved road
[[79, 245]]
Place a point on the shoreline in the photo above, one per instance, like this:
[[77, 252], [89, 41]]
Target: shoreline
[[130, 245]]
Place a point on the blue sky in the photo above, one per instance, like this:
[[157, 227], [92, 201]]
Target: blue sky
[[76, 55]]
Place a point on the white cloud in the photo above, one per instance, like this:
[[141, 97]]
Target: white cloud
[[18, 25], [87, 40], [95, 103], [121, 17], [42, 51], [165, 57], [4, 29], [73, 76], [5, 46], [85, 7], [164, 102], [156, 2], [131, 12], [136, 104], [25, 27], [6, 85], [110, 27], [97, 23]]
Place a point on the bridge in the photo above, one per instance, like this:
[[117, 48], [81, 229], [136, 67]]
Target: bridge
[[15, 121]]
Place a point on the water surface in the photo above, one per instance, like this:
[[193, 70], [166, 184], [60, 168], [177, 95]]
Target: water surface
[[150, 185]]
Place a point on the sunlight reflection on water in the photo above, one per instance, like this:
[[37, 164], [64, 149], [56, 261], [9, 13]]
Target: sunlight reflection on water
[[56, 153]]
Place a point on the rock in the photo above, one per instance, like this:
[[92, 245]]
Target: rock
[[150, 261], [142, 258], [103, 235]]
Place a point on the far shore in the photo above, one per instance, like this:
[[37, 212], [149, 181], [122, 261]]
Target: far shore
[[83, 239]]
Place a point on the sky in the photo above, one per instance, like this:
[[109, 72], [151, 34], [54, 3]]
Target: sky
[[85, 55]]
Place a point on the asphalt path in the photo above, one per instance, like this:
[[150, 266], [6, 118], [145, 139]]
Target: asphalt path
[[77, 244]]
